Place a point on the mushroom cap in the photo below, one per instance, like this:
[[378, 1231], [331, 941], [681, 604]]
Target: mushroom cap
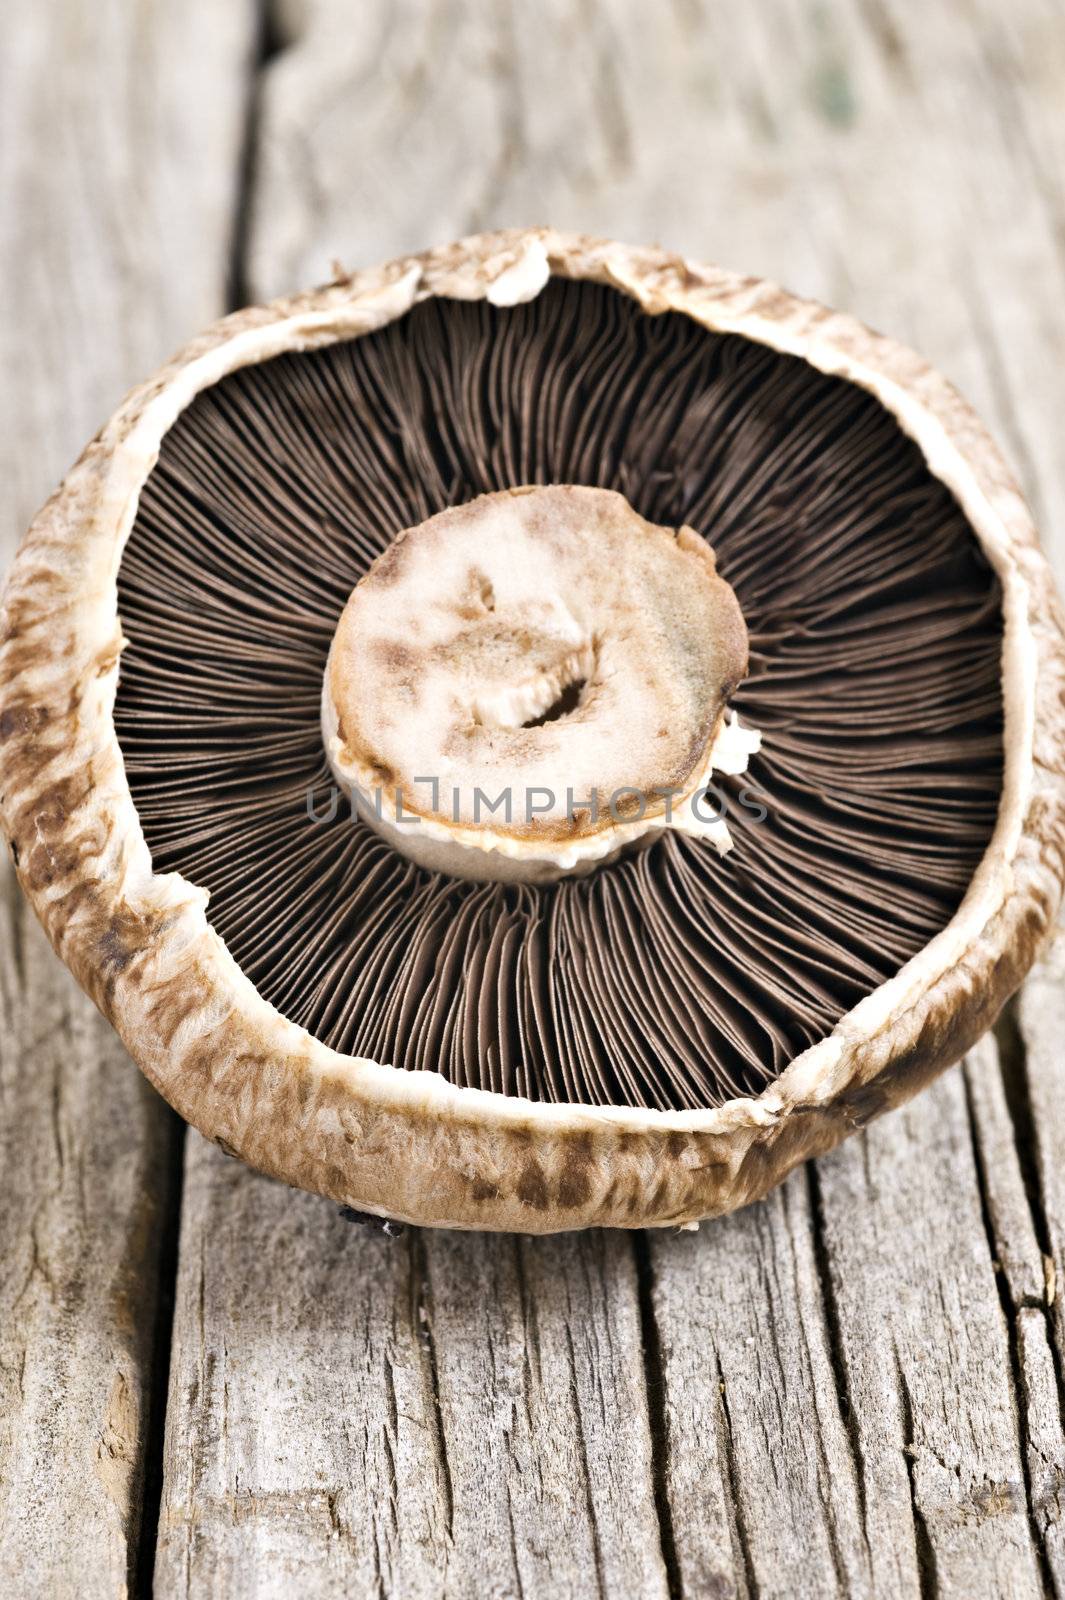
[[409, 1144]]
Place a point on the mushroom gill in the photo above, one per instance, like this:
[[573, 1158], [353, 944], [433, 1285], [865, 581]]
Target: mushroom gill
[[672, 977]]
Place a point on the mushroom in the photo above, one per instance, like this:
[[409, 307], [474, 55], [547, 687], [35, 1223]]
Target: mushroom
[[295, 535]]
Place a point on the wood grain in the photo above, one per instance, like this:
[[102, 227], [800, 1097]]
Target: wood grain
[[119, 132], [434, 1414], [852, 1389]]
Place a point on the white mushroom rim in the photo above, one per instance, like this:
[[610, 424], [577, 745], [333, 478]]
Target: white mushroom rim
[[507, 268]]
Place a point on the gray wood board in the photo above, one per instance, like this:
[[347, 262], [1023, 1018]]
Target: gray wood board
[[120, 128]]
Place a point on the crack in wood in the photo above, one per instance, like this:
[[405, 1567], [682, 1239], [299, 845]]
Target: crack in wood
[[587, 1478], [172, 1173], [1013, 1066], [745, 1566], [1010, 1309], [422, 1316], [836, 1346], [657, 1412], [923, 1541], [268, 42]]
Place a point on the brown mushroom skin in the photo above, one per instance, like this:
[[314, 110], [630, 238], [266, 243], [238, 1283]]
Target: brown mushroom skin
[[409, 1145]]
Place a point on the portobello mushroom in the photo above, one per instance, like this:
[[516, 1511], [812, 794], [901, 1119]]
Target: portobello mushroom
[[584, 1022]]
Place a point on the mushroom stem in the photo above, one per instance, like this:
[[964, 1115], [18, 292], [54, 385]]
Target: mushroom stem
[[524, 686]]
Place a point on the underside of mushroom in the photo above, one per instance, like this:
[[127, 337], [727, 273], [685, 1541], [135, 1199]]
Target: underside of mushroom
[[672, 529], [668, 977]]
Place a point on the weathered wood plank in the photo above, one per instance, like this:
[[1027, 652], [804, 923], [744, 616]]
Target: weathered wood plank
[[119, 130], [853, 1388], [87, 1172], [852, 1327], [428, 1415], [1041, 1015]]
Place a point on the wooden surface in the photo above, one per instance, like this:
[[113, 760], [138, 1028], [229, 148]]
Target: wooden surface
[[852, 1389], [120, 127]]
